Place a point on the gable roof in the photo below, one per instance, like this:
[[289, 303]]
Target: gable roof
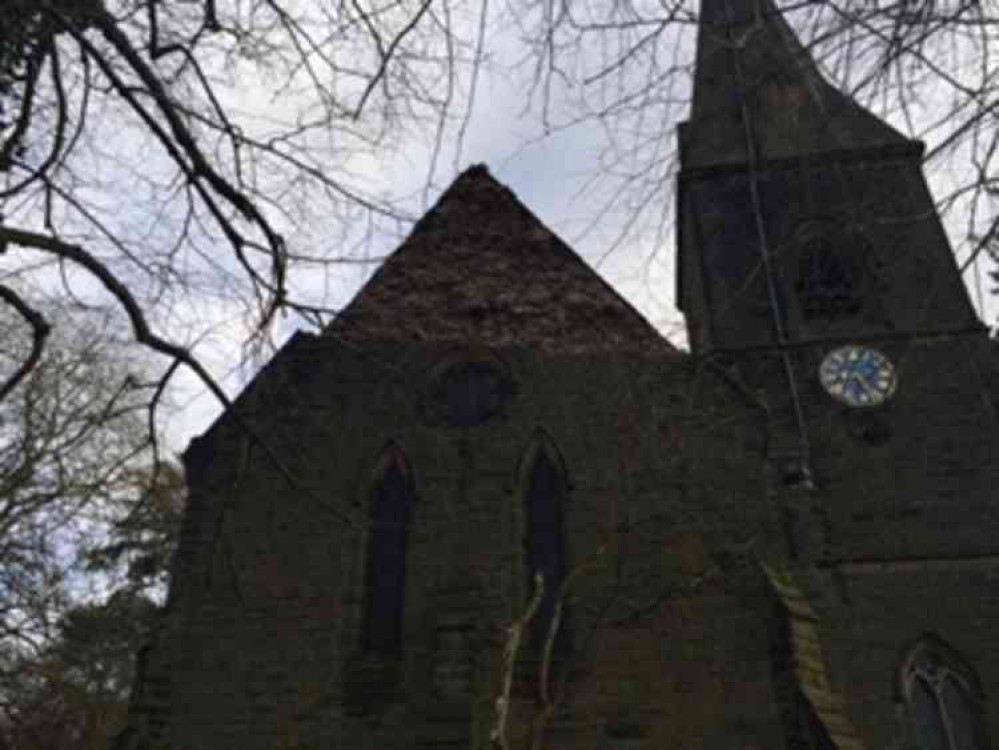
[[747, 53], [480, 269]]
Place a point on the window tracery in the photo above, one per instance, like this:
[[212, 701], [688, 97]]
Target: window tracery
[[943, 699], [829, 279]]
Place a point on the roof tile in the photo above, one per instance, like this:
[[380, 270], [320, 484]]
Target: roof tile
[[480, 269]]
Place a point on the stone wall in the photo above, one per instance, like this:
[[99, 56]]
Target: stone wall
[[261, 644], [669, 512]]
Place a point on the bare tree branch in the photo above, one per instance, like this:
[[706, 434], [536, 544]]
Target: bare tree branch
[[39, 332]]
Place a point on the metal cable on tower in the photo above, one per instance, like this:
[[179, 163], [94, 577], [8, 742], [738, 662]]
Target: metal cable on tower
[[802, 468]]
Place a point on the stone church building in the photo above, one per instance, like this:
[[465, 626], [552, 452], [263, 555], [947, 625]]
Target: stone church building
[[490, 507]]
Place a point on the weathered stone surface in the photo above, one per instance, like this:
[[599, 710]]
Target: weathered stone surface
[[485, 342]]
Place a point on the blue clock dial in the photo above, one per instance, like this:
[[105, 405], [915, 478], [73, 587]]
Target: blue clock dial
[[858, 376]]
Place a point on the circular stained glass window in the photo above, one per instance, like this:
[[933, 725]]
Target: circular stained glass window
[[469, 393], [858, 376]]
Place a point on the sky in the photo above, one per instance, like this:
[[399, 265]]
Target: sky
[[551, 175], [560, 170]]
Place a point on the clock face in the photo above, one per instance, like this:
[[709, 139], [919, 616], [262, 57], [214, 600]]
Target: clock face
[[858, 376]]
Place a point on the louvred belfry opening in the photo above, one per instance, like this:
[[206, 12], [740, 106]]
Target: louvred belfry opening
[[829, 283]]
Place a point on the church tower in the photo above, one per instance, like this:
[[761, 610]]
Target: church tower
[[811, 259], [803, 218], [491, 508], [814, 268]]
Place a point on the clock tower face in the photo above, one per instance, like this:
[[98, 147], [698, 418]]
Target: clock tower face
[[858, 376]]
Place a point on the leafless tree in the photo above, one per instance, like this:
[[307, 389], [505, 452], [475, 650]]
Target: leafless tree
[[86, 527], [181, 153], [625, 68], [64, 682], [87, 523], [72, 432], [156, 159], [74, 692]]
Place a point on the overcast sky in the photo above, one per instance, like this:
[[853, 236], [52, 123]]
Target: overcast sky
[[551, 176]]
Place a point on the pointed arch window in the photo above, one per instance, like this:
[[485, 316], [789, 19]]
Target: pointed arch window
[[545, 540], [391, 508], [829, 280], [943, 698]]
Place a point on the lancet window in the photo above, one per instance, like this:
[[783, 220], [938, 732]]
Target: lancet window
[[544, 505], [943, 699], [391, 507]]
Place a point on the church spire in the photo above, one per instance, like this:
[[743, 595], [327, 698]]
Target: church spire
[[802, 217], [751, 66]]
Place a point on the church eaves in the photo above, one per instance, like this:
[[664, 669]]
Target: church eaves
[[479, 269], [756, 80]]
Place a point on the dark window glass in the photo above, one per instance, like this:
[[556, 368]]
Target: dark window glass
[[930, 731], [960, 715], [469, 394], [545, 550], [945, 713], [828, 280], [387, 561]]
